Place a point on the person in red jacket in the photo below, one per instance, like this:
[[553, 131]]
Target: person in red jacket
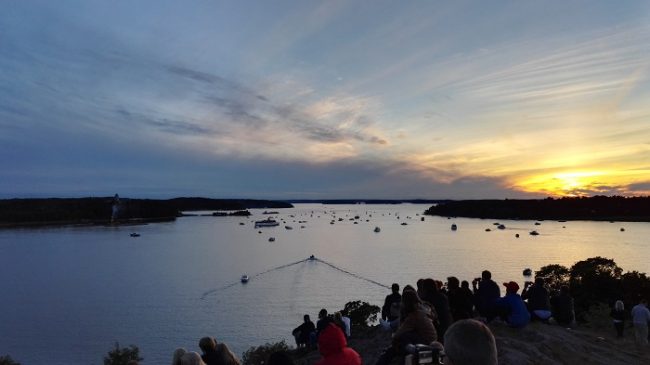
[[334, 348]]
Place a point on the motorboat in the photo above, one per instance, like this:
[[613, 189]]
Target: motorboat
[[377, 229], [534, 233], [267, 223], [501, 226], [244, 279], [312, 258], [270, 212], [527, 272], [454, 227], [271, 239], [134, 234], [288, 227]]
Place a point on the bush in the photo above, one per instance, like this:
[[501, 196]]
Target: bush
[[7, 360], [258, 355], [554, 275], [595, 280], [122, 356], [361, 313]]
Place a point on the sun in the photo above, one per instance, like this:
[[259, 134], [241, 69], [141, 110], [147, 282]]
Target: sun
[[575, 183]]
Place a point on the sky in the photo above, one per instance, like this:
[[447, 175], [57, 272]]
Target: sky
[[324, 99]]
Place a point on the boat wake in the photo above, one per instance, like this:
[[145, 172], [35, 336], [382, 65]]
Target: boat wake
[[312, 258]]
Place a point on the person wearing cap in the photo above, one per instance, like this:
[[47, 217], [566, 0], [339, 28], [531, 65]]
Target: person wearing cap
[[512, 308]]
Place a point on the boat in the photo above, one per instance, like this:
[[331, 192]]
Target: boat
[[534, 233], [244, 279], [271, 239], [241, 223], [528, 272], [134, 234], [377, 229], [454, 227], [488, 230], [266, 223], [267, 212], [288, 227], [312, 258], [622, 229], [501, 226], [537, 223], [404, 224]]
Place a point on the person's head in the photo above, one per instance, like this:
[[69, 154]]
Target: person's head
[[643, 301], [464, 284], [178, 353], [338, 317], [410, 301], [539, 281], [619, 306], [331, 341], [306, 318], [207, 344], [429, 287], [511, 287], [279, 358], [394, 288], [322, 313], [407, 288], [419, 284], [470, 342], [486, 275], [226, 356], [452, 283], [191, 358]]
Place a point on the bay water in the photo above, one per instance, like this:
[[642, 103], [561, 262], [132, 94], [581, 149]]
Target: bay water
[[68, 294]]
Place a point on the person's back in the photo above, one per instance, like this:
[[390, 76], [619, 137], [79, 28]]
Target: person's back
[[191, 358], [487, 293], [512, 307], [440, 303], [538, 298], [640, 319], [304, 332], [333, 347], [562, 307], [390, 309], [470, 342]]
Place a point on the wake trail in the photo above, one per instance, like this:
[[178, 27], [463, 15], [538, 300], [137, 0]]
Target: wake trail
[[347, 272]]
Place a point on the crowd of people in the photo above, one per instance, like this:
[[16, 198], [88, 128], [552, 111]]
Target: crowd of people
[[444, 321]]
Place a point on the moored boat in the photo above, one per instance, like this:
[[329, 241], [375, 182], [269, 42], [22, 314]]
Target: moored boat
[[267, 223], [244, 279]]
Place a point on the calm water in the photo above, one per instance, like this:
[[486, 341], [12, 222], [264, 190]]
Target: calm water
[[67, 294]]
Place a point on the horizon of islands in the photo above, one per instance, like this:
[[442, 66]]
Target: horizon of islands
[[36, 212]]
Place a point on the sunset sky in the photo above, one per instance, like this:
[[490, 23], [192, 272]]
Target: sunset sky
[[324, 99]]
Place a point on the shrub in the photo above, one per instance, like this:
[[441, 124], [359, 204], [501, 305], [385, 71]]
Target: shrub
[[595, 280], [7, 360], [122, 356], [361, 313], [554, 275], [258, 355]]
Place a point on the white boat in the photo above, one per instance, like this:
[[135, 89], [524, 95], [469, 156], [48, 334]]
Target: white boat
[[267, 223], [244, 279]]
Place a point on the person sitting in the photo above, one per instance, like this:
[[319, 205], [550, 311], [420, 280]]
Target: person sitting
[[562, 307], [618, 316], [208, 346], [323, 321], [539, 304], [440, 302], [511, 307], [457, 300], [303, 333], [333, 347], [470, 342], [390, 309], [485, 295], [343, 323], [415, 328]]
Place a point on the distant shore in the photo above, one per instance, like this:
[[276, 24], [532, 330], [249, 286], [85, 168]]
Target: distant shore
[[113, 211], [598, 208]]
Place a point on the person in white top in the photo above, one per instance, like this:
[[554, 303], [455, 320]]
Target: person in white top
[[640, 319]]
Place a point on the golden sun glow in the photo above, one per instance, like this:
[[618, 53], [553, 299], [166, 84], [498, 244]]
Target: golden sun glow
[[575, 183]]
